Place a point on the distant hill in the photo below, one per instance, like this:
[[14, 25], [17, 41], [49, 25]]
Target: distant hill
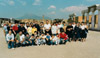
[[32, 16]]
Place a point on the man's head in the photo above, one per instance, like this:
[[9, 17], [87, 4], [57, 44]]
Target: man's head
[[10, 32], [47, 22], [20, 32], [27, 35], [9, 24], [47, 34]]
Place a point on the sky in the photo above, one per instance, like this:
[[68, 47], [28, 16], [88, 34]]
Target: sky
[[50, 8]]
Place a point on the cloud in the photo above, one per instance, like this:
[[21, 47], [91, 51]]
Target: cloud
[[11, 2], [22, 2], [90, 0], [37, 2], [2, 4], [7, 2], [52, 13], [52, 7], [74, 9]]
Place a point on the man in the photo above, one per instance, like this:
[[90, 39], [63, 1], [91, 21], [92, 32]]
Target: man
[[63, 37], [15, 28], [27, 39], [69, 31], [10, 27], [47, 27], [5, 29], [20, 39], [37, 26], [22, 28], [10, 40]]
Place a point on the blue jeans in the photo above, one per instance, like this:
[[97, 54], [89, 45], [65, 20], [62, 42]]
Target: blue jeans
[[62, 41], [10, 45]]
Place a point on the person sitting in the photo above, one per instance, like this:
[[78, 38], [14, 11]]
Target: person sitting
[[48, 39], [55, 40], [20, 39], [43, 37], [10, 40], [37, 41], [32, 39], [63, 37], [28, 40]]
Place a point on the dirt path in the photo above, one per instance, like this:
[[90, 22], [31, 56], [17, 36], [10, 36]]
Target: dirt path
[[88, 49]]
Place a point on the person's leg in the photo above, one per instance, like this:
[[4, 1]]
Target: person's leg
[[65, 41], [12, 43], [9, 45]]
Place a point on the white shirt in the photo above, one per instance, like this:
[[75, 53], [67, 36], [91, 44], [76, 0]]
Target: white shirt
[[22, 37], [82, 27], [60, 26], [47, 26], [43, 37], [55, 38], [73, 26], [54, 29], [10, 37]]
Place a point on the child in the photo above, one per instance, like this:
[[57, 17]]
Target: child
[[37, 41], [48, 39], [43, 37], [32, 39], [27, 39], [55, 40], [35, 34]]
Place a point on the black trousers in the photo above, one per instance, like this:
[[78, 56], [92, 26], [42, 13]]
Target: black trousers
[[48, 32]]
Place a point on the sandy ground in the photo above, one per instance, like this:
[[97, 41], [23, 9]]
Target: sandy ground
[[88, 49]]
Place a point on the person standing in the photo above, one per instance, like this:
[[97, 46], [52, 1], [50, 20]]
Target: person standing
[[69, 31], [29, 30], [77, 31], [15, 28], [54, 29], [47, 27], [86, 31], [83, 34]]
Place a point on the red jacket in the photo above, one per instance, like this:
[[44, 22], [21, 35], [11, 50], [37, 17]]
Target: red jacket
[[15, 28], [64, 36]]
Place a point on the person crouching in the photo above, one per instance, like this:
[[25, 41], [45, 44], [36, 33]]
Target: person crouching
[[63, 37]]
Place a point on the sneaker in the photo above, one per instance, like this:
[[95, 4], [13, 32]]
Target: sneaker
[[13, 48]]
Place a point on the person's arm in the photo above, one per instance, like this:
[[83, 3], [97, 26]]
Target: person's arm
[[12, 37], [7, 37]]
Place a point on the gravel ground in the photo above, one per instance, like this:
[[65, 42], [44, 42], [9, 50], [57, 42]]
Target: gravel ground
[[88, 49]]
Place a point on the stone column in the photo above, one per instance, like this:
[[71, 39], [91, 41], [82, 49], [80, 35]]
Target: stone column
[[87, 19], [0, 22], [83, 16], [99, 19], [92, 20]]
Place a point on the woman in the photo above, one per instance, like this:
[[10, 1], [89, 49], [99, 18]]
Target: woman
[[34, 29], [29, 30], [83, 34], [86, 31], [77, 32]]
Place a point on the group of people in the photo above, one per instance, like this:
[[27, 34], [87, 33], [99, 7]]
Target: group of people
[[30, 34]]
